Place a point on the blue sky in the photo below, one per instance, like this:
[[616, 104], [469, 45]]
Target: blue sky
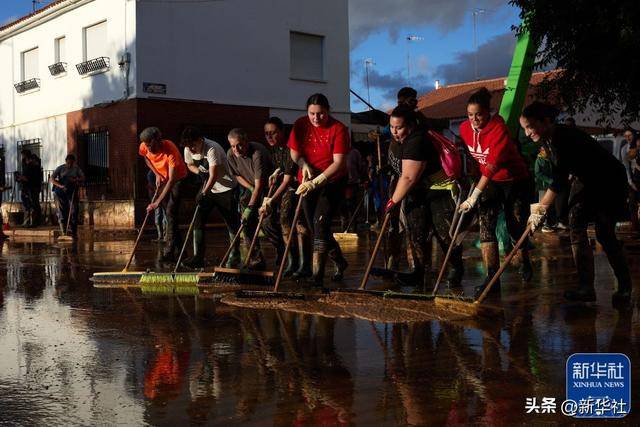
[[378, 30]]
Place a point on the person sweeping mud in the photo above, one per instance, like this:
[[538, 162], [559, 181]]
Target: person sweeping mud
[[250, 163], [207, 159], [65, 182], [414, 161], [504, 184], [319, 145], [598, 194], [280, 207], [163, 158]]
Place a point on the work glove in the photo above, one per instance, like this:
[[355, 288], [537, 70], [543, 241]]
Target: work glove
[[266, 206], [246, 214], [390, 206], [307, 171], [308, 186], [469, 204], [274, 176], [537, 216]]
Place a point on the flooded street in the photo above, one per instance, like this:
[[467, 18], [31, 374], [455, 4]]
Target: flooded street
[[71, 354]]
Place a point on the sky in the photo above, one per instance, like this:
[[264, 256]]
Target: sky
[[378, 31]]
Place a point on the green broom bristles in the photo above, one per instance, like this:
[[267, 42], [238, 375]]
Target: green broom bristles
[[169, 278], [167, 289]]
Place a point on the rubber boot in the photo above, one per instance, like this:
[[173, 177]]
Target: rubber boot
[[197, 260], [526, 270], [456, 272], [304, 259], [339, 262], [160, 234], [318, 261], [27, 219], [583, 258], [491, 260], [618, 262]]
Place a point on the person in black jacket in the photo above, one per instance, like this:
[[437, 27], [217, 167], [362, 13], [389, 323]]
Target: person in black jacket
[[598, 192], [30, 185]]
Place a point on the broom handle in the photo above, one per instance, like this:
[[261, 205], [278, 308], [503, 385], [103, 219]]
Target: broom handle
[[288, 246], [73, 197], [374, 253], [504, 265], [186, 239], [233, 242], [144, 223], [260, 220], [355, 213], [456, 214], [460, 217]]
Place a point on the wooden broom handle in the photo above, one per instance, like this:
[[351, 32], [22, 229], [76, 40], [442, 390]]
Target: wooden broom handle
[[144, 224], [374, 253], [288, 245], [71, 206], [505, 264], [260, 220], [233, 242]]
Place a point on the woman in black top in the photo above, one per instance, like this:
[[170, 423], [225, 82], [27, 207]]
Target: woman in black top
[[413, 159], [598, 192]]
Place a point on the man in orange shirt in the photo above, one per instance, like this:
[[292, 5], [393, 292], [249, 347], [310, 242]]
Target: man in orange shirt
[[163, 158]]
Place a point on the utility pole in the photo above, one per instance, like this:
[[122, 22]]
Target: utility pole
[[476, 12], [410, 38], [368, 62]]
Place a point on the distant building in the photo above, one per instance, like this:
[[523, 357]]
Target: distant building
[[86, 76]]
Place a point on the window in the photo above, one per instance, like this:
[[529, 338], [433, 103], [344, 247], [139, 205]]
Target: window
[[30, 64], [60, 49], [96, 147], [307, 56], [33, 145], [95, 41]]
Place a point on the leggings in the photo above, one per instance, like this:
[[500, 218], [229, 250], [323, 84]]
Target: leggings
[[320, 207], [512, 196]]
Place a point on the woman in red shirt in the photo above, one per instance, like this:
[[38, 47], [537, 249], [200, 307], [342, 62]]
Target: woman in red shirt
[[504, 183], [319, 146]]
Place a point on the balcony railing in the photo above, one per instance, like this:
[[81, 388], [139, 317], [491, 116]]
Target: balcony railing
[[27, 85], [93, 65], [58, 68]]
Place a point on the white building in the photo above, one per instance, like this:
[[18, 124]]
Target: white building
[[85, 76]]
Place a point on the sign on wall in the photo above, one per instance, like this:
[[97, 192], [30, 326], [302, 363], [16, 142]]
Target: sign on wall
[[155, 88]]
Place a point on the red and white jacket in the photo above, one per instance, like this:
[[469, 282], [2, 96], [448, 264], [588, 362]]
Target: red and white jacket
[[494, 150]]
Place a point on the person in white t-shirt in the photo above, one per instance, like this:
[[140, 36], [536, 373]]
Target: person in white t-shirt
[[207, 159]]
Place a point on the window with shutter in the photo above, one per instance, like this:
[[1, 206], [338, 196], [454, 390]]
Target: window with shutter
[[95, 41], [306, 56], [30, 64]]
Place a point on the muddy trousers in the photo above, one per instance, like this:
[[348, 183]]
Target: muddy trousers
[[171, 204], [63, 208], [227, 205], [31, 204], [581, 212], [442, 207], [320, 207], [419, 226]]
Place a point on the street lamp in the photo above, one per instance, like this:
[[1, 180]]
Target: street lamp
[[476, 12], [367, 63], [410, 38]]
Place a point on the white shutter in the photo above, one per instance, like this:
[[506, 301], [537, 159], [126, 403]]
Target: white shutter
[[307, 56], [61, 55], [95, 41], [30, 64]]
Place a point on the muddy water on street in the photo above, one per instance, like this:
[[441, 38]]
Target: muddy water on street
[[74, 355]]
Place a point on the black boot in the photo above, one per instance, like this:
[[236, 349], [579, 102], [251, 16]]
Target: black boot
[[618, 261], [319, 259], [583, 258], [292, 264], [526, 270], [456, 272], [491, 259], [197, 260], [304, 259], [339, 262]]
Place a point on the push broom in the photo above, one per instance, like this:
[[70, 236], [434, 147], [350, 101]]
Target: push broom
[[125, 274], [345, 235], [65, 238]]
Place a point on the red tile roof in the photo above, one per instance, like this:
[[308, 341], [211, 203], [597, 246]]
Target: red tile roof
[[450, 102], [25, 17]]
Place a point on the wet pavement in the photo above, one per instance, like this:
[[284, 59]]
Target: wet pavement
[[71, 354]]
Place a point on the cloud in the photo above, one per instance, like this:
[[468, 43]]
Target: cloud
[[367, 17], [494, 60], [387, 85]]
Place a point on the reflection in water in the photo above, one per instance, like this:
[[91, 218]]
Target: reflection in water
[[71, 354]]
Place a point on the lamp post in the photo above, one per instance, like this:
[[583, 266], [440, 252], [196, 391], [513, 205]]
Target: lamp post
[[367, 63], [410, 38], [476, 12]]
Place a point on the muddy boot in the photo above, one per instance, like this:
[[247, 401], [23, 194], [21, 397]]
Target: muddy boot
[[526, 270], [292, 264], [304, 268], [27, 219], [160, 234], [257, 262], [454, 278], [339, 262], [583, 258], [318, 261], [234, 259], [197, 260], [618, 261], [491, 260]]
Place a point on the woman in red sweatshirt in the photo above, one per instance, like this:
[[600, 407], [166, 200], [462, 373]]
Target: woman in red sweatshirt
[[504, 182]]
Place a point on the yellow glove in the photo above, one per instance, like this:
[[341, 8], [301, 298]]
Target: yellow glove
[[307, 172], [273, 177], [537, 216], [308, 186], [266, 205], [468, 204]]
